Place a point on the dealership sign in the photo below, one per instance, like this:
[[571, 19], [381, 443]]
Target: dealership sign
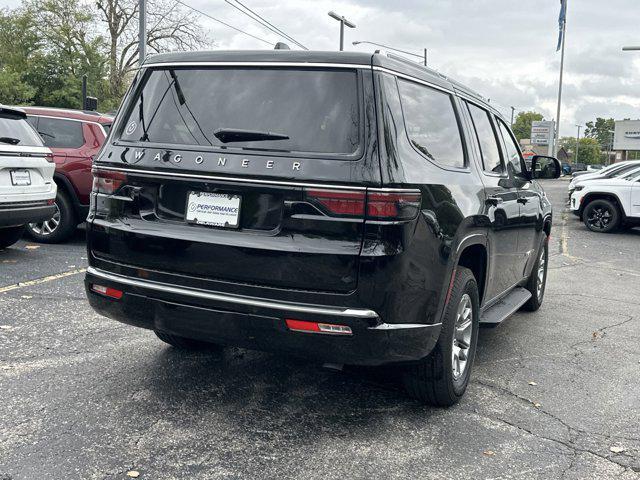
[[542, 132], [627, 135]]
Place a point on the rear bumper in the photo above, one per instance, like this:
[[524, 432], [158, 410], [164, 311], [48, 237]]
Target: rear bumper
[[258, 323], [20, 214]]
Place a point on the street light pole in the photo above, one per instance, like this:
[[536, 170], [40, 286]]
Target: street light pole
[[578, 142], [343, 21], [142, 31], [513, 110]]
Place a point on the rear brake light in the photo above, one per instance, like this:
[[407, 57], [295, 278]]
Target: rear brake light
[[108, 182], [107, 291], [49, 157], [339, 202], [316, 327], [387, 205]]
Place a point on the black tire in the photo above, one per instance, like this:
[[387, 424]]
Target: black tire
[[184, 343], [10, 235], [61, 232], [602, 216], [432, 380], [537, 296]]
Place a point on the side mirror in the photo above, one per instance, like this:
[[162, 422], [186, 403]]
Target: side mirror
[[545, 167]]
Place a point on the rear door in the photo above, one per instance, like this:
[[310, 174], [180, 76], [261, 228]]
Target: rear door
[[501, 205], [240, 174]]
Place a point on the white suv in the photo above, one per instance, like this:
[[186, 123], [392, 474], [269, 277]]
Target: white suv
[[27, 189], [604, 204]]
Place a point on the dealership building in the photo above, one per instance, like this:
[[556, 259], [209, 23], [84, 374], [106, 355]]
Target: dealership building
[[626, 139]]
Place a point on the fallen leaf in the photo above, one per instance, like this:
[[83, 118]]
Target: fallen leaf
[[133, 474], [537, 405], [31, 247], [616, 449], [489, 453], [533, 384]]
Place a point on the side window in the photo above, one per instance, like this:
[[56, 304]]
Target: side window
[[432, 124], [33, 121], [60, 133], [514, 165], [491, 158]]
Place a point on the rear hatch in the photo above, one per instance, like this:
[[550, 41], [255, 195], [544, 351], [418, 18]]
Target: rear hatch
[[25, 175], [243, 174]]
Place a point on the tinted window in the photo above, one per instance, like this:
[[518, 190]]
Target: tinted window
[[317, 109], [16, 131], [432, 124], [60, 133], [513, 154], [622, 170], [491, 159]]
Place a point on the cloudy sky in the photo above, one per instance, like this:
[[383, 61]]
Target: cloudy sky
[[504, 49]]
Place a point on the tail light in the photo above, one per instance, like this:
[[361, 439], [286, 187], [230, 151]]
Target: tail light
[[49, 157], [108, 182], [316, 327], [373, 204]]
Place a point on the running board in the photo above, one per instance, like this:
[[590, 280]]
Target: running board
[[506, 307]]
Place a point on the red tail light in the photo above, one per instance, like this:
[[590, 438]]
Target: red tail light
[[49, 157], [108, 182], [383, 205], [340, 202], [107, 291], [315, 327]]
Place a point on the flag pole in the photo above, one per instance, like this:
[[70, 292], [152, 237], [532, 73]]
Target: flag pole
[[556, 140]]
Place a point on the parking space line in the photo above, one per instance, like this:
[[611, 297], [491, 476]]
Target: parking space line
[[38, 281]]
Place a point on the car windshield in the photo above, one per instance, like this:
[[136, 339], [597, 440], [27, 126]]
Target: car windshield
[[302, 110], [622, 170], [16, 131]]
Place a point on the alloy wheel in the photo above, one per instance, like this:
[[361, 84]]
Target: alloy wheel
[[49, 226], [542, 261], [462, 336], [599, 218]]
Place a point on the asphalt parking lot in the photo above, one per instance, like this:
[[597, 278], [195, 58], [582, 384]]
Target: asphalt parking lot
[[554, 394]]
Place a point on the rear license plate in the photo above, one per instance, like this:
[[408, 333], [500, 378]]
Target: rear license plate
[[20, 178], [213, 209]]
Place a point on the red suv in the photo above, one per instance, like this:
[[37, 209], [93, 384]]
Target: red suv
[[74, 137]]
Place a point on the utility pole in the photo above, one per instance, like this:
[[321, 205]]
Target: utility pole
[[142, 31], [513, 110], [84, 92], [343, 21], [578, 142], [425, 57]]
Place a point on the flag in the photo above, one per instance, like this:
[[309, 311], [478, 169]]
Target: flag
[[562, 19]]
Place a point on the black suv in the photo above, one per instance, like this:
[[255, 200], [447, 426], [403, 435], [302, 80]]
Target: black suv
[[344, 207]]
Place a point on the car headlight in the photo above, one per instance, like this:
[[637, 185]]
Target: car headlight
[[579, 187]]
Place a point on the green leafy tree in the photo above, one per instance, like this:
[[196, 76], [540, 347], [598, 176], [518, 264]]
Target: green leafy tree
[[588, 151], [522, 124], [601, 131]]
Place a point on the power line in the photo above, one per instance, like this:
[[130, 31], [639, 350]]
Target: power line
[[263, 21], [224, 23]]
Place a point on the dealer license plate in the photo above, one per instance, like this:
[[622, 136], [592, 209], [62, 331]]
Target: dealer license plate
[[214, 209], [20, 178]]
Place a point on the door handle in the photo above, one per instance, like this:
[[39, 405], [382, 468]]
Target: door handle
[[522, 200], [493, 201]]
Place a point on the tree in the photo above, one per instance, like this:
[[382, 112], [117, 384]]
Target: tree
[[601, 131], [170, 27], [522, 124], [588, 150]]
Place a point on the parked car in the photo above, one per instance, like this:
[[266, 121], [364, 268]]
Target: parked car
[[74, 137], [27, 188], [594, 168], [606, 204], [616, 169], [372, 212]]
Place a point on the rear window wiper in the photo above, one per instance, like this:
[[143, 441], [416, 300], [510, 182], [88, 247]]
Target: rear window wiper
[[226, 135], [10, 140]]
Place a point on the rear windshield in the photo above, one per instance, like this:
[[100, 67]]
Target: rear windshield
[[318, 110], [16, 131]]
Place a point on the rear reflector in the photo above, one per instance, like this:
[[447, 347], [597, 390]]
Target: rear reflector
[[315, 327], [107, 291], [387, 205], [107, 182]]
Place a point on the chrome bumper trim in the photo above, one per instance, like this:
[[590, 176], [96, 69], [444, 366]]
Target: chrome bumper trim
[[234, 299], [403, 326]]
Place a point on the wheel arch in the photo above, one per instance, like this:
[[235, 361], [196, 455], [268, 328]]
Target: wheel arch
[[473, 254], [66, 186], [612, 197]]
